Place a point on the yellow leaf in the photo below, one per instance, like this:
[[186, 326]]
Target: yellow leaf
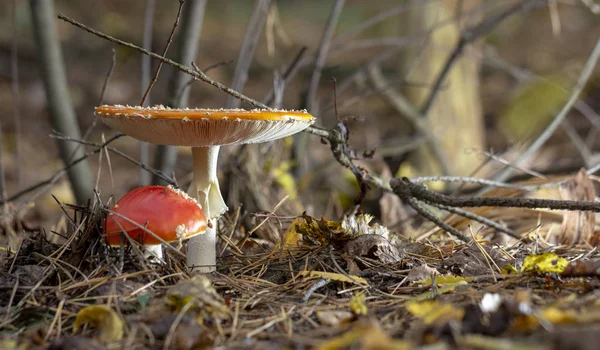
[[553, 315], [546, 262], [557, 316], [338, 277], [508, 269], [449, 279], [104, 319], [358, 304], [430, 294], [292, 238], [366, 337], [433, 311]]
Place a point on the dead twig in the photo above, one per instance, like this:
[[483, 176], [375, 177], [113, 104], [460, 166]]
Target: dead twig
[[160, 63], [406, 189]]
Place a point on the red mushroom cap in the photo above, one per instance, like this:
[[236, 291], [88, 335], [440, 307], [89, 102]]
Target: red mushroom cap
[[167, 212]]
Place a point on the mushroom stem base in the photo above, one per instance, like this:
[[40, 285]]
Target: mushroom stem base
[[202, 254]]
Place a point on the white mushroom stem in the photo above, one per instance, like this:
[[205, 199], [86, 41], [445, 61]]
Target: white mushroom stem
[[202, 254], [154, 250]]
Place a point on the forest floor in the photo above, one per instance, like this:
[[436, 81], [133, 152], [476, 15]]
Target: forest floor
[[324, 284]]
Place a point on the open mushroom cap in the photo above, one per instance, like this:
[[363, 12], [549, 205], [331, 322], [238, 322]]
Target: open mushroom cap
[[203, 127], [167, 212]]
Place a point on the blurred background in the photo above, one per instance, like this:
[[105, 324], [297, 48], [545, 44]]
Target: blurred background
[[499, 95]]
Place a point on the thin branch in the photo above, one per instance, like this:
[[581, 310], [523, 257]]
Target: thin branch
[[478, 218], [405, 188], [253, 30], [194, 73], [300, 142], [424, 212], [157, 173], [57, 175], [113, 63], [407, 110], [332, 21], [289, 72], [160, 63]]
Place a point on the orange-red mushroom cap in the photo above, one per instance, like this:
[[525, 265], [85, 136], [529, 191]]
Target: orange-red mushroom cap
[[167, 212]]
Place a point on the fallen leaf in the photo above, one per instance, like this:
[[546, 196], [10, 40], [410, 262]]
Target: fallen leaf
[[335, 233], [508, 269], [358, 304], [351, 265], [430, 294], [471, 262], [373, 246], [579, 268], [432, 311], [546, 262], [421, 272], [448, 279], [104, 319], [200, 292], [338, 277], [292, 239], [366, 337], [334, 318], [577, 226]]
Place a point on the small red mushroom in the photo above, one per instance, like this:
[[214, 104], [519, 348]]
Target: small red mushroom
[[167, 212]]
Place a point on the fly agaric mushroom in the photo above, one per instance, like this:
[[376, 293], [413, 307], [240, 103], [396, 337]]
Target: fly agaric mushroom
[[205, 130], [166, 212]]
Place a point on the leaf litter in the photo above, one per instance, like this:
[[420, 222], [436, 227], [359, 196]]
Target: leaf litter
[[323, 284]]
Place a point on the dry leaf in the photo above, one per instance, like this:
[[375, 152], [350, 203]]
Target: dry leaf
[[421, 272], [332, 232], [392, 210], [338, 277], [577, 226], [352, 266], [470, 262], [199, 291], [103, 318], [334, 318], [373, 246], [434, 292], [292, 239]]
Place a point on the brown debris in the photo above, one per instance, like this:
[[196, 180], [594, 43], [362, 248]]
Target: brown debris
[[577, 226]]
